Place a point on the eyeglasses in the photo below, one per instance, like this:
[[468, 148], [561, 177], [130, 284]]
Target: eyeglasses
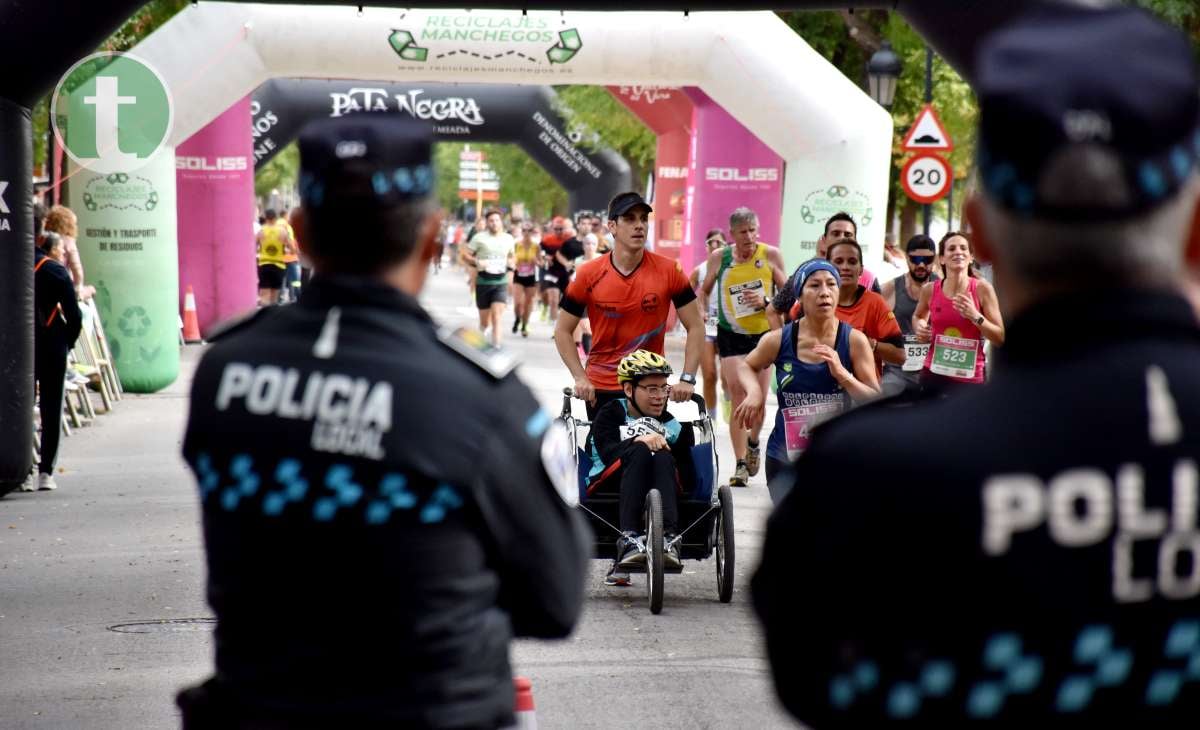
[[656, 390], [918, 260]]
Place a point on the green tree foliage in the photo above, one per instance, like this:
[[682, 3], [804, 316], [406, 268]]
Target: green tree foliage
[[141, 24], [602, 121], [521, 179], [280, 173]]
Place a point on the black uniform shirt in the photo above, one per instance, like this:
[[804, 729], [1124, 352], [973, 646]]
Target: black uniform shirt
[[1025, 552], [377, 517]]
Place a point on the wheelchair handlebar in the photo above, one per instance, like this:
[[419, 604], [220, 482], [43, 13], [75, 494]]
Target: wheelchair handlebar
[[569, 393]]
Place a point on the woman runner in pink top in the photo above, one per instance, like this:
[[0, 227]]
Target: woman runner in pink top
[[954, 316]]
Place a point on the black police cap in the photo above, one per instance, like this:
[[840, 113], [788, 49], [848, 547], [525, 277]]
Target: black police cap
[[1065, 77], [365, 159], [625, 202]]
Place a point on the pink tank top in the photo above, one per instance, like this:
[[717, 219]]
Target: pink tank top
[[957, 348]]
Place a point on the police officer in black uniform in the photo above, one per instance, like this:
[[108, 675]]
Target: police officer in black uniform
[[384, 503], [1042, 570]]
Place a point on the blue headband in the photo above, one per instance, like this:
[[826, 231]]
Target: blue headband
[[810, 267]]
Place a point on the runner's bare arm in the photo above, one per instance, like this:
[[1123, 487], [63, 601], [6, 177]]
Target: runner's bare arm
[[993, 324], [777, 276], [710, 278], [564, 342], [920, 321], [692, 321], [864, 385], [747, 369], [887, 290]]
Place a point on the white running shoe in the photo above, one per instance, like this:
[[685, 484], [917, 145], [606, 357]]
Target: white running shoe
[[46, 482]]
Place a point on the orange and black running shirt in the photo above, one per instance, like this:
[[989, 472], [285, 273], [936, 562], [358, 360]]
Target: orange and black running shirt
[[627, 312]]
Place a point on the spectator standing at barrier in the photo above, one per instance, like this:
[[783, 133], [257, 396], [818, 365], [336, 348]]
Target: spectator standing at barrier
[[419, 490], [57, 323], [61, 220], [1041, 571]]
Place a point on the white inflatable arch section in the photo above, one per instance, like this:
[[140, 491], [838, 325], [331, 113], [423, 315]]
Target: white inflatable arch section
[[835, 140]]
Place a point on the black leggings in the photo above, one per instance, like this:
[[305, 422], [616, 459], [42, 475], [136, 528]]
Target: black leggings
[[641, 471], [50, 368]]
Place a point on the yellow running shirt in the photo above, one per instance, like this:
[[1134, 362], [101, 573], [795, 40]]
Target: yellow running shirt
[[734, 279], [270, 248]]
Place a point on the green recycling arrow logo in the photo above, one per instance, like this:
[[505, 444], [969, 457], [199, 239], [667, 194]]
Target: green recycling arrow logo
[[569, 44], [406, 47]]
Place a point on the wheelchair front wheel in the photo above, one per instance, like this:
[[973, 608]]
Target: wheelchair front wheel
[[654, 551], [724, 532]]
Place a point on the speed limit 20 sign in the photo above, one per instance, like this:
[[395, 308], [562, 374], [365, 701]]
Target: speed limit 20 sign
[[926, 178]]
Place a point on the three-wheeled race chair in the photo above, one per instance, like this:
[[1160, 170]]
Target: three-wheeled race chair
[[705, 512]]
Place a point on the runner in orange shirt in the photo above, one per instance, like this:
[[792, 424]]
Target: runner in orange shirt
[[627, 294]]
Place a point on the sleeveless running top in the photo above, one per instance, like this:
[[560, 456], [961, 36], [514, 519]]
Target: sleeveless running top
[[957, 348], [526, 258], [733, 279], [914, 351], [270, 251], [807, 394]]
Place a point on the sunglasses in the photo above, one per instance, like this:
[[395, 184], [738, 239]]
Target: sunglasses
[[918, 260]]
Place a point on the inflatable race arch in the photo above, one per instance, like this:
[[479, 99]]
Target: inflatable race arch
[[835, 142]]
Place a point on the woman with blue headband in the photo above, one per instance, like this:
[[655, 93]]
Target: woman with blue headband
[[820, 364]]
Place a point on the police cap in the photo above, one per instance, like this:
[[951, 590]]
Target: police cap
[[1065, 77]]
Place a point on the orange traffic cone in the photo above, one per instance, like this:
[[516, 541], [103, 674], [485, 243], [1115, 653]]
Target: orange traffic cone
[[526, 717], [191, 325]]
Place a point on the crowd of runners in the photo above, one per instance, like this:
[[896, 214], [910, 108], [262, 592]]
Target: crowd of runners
[[830, 332]]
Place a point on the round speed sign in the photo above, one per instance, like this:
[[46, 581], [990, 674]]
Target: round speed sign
[[926, 178]]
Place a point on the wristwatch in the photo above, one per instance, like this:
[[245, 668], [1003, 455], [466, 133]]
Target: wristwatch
[[979, 321], [689, 378]]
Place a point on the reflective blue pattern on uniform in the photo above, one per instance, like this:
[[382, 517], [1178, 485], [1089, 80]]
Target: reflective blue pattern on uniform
[[1007, 668], [241, 468], [206, 476], [394, 492], [293, 487], [444, 498]]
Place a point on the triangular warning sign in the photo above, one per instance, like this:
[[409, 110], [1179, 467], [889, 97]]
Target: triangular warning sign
[[927, 133]]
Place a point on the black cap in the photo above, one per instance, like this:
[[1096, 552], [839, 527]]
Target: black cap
[[365, 159], [625, 202], [1064, 78]]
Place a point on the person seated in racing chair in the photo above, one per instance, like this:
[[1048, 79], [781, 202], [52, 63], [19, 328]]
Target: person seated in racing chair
[[636, 443]]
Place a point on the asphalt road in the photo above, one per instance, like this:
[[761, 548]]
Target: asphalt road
[[103, 618]]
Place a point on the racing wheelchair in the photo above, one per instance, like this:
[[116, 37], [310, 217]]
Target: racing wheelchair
[[705, 510]]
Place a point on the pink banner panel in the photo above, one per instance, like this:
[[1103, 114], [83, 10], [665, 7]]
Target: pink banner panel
[[215, 188]]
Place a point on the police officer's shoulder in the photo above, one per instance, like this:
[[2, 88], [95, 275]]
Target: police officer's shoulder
[[470, 345], [239, 323]]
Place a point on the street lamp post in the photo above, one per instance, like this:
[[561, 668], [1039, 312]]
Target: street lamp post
[[883, 70]]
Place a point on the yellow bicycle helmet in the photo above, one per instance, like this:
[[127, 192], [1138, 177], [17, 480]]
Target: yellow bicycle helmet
[[641, 363]]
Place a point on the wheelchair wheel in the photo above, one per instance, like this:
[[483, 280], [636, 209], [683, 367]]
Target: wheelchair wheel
[[654, 551], [725, 544]]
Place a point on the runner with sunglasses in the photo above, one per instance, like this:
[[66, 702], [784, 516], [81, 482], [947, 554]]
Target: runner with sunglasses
[[901, 295]]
